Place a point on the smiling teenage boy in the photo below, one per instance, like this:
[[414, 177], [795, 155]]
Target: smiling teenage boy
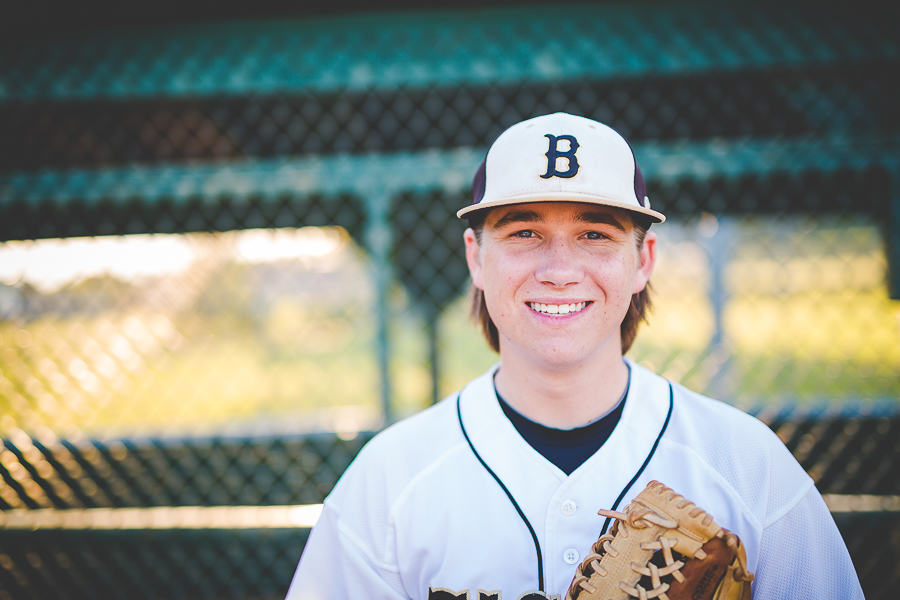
[[493, 493]]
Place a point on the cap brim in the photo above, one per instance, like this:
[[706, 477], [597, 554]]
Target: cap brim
[[656, 217]]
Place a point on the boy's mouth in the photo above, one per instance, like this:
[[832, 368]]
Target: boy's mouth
[[557, 309]]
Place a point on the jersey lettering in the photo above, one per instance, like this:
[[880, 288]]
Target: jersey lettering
[[445, 594], [554, 153]]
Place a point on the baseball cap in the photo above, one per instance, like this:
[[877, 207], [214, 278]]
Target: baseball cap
[[560, 158]]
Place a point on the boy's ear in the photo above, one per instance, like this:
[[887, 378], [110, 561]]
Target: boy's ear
[[473, 258], [647, 256]]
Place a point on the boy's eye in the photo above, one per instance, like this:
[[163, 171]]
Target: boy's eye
[[594, 235], [525, 233]]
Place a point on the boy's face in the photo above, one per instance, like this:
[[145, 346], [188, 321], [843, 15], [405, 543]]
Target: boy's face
[[558, 278]]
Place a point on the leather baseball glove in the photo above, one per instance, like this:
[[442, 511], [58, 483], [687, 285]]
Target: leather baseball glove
[[663, 546]]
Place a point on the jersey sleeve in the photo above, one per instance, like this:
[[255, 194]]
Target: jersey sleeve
[[802, 555], [334, 565]]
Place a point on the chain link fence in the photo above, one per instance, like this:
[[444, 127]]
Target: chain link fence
[[229, 255], [848, 451]]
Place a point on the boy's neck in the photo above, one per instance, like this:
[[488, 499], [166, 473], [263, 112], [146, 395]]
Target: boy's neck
[[562, 398]]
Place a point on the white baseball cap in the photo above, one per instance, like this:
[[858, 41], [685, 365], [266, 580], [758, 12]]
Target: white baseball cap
[[560, 158]]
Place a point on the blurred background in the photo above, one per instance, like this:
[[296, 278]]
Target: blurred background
[[228, 254]]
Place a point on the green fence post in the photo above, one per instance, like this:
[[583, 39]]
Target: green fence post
[[431, 327], [379, 237], [892, 235]]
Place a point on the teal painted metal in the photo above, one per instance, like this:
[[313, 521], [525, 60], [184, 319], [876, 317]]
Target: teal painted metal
[[386, 51], [327, 176], [421, 171], [728, 158]]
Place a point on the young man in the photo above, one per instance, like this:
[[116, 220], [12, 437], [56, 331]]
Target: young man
[[494, 492]]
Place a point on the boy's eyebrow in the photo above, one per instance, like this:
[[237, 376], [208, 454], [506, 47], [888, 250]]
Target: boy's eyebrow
[[532, 216], [518, 216], [599, 218]]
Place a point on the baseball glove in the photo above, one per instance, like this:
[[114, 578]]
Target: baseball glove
[[663, 546]]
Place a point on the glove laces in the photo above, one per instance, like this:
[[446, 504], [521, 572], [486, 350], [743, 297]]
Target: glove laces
[[624, 523]]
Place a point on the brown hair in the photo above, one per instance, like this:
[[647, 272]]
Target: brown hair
[[637, 311]]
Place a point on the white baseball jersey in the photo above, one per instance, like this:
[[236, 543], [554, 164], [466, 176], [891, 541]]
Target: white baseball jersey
[[418, 516]]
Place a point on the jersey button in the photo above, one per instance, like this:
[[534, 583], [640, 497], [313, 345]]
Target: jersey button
[[568, 507], [571, 556]]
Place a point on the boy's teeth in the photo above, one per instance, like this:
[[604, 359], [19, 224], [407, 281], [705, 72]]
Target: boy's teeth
[[558, 309]]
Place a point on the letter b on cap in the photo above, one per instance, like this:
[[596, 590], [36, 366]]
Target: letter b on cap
[[553, 152]]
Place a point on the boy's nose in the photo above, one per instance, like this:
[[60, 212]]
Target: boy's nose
[[558, 265]]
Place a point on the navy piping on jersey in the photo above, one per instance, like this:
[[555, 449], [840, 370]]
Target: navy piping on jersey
[[646, 460], [537, 544]]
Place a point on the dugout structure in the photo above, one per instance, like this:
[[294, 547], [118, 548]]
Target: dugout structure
[[374, 122]]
